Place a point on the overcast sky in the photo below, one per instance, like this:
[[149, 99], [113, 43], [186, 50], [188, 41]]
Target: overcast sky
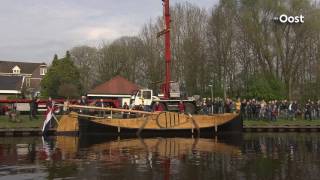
[[35, 30]]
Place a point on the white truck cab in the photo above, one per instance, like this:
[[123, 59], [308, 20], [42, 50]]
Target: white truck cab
[[145, 97]]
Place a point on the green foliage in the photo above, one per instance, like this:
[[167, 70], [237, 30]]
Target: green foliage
[[12, 97], [265, 87], [62, 75], [311, 91], [68, 91]]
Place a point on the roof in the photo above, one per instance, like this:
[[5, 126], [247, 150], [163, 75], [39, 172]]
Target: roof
[[26, 67], [116, 86], [10, 82]]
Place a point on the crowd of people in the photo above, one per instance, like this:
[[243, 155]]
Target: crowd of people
[[250, 109], [253, 109]]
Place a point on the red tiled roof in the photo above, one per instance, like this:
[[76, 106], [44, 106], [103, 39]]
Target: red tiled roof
[[117, 85]]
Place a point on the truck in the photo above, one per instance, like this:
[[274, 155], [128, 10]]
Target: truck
[[148, 98]]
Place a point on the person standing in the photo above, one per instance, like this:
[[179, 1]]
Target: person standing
[[157, 107], [307, 110], [204, 106], [274, 111], [66, 104], [125, 114], [209, 106], [33, 108], [100, 103], [181, 107], [238, 105], [243, 108], [262, 111], [290, 110], [294, 109], [83, 101]]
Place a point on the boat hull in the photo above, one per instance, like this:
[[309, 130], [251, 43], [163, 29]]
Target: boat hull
[[212, 125]]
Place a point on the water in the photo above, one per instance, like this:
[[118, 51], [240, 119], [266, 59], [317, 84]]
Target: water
[[248, 156]]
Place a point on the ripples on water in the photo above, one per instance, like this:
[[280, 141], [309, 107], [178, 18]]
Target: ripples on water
[[248, 156]]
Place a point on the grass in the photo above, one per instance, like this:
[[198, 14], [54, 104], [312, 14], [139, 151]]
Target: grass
[[281, 122], [25, 122]]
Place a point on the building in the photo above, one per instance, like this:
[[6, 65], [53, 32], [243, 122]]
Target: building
[[116, 88], [19, 77]]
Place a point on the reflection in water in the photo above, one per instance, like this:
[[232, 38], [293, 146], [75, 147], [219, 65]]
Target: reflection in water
[[260, 156]]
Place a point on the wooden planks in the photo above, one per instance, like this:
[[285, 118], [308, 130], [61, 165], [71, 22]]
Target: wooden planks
[[68, 123], [166, 121]]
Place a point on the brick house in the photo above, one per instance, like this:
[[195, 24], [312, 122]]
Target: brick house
[[16, 77]]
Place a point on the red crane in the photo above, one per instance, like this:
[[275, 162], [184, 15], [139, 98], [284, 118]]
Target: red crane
[[166, 32]]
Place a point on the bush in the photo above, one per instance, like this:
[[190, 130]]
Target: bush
[[265, 87]]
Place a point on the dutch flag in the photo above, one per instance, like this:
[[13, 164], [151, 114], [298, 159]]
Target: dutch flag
[[49, 116]]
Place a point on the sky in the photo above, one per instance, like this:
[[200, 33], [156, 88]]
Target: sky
[[35, 30]]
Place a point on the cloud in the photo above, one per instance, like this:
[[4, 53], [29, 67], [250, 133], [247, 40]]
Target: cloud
[[37, 29]]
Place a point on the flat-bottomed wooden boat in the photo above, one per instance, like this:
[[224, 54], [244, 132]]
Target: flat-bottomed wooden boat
[[147, 122]]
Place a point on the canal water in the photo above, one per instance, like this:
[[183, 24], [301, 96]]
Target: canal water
[[247, 156]]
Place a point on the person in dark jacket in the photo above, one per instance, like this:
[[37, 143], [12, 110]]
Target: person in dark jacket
[[33, 108], [125, 114], [243, 108], [307, 110], [83, 101]]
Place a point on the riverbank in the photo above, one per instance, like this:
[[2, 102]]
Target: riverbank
[[23, 121], [281, 122]]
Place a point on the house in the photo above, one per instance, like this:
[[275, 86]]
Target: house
[[116, 88], [20, 76]]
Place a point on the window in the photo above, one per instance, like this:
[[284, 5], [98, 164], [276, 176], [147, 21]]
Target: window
[[16, 70], [28, 82], [43, 71], [146, 94]]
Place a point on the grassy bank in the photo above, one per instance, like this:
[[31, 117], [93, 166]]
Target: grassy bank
[[25, 122], [281, 122]]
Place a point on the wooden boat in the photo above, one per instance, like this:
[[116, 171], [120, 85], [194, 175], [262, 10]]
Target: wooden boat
[[146, 122]]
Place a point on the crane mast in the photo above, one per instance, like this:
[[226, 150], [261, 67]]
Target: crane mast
[[166, 32]]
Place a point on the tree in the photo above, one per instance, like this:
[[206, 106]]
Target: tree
[[86, 59], [237, 47], [222, 40], [61, 74], [265, 87], [68, 91], [122, 57]]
